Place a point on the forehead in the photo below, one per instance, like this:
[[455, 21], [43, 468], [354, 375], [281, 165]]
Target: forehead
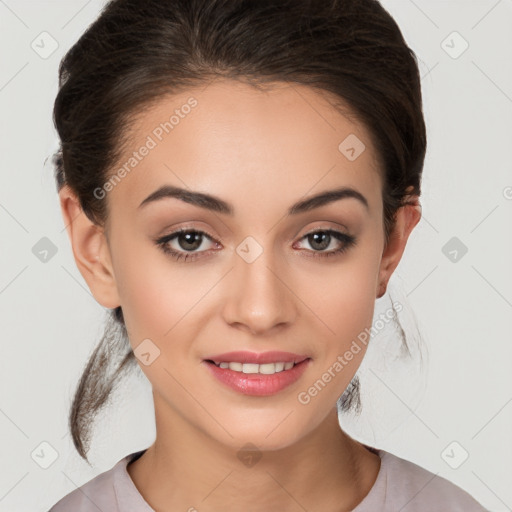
[[234, 140]]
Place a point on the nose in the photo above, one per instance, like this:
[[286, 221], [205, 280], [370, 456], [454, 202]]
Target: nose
[[258, 298]]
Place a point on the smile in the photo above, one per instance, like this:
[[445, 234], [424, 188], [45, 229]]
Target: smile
[[257, 379], [265, 369]]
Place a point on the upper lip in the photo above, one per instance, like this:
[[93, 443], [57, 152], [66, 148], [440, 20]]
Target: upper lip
[[257, 358]]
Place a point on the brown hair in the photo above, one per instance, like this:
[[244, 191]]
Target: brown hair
[[135, 52]]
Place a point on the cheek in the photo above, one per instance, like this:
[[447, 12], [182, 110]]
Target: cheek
[[148, 287], [344, 298], [344, 301], [162, 300]]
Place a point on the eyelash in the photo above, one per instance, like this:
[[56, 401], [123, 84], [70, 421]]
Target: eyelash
[[348, 242]]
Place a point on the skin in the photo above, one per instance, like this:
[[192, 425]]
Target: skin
[[261, 151]]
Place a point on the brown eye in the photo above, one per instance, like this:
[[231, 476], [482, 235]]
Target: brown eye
[[188, 240], [320, 240]]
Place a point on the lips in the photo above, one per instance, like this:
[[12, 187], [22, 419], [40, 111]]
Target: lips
[[257, 358], [258, 384]]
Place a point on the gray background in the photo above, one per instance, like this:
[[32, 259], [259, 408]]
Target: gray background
[[457, 405]]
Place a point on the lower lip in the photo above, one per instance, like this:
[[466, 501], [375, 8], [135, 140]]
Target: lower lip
[[258, 384]]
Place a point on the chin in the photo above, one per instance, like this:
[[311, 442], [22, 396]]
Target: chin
[[276, 432]]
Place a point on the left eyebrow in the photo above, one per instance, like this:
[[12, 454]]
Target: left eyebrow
[[216, 204]]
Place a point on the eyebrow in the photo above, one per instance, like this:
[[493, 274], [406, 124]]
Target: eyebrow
[[216, 204]]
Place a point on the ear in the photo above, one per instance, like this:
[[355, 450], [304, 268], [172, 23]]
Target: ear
[[90, 249], [407, 217]]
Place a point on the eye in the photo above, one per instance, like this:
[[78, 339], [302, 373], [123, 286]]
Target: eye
[[321, 239], [189, 241]]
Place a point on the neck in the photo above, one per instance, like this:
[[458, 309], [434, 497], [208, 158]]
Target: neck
[[187, 470]]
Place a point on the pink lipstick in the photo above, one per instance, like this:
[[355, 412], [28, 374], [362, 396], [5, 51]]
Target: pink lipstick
[[257, 374]]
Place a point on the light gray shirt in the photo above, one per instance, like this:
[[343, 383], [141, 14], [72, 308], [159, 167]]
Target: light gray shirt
[[400, 486]]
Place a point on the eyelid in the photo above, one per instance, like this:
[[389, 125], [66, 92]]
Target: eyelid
[[184, 229], [345, 239]]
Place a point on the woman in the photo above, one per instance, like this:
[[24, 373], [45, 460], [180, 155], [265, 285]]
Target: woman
[[249, 174]]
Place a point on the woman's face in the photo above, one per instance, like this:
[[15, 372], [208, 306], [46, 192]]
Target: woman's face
[[256, 281]]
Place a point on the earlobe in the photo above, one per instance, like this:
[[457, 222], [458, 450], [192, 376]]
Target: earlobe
[[406, 219], [90, 250]]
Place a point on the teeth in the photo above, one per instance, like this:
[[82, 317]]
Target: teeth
[[265, 369]]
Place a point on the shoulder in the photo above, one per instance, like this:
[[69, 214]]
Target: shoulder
[[96, 494], [411, 488]]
